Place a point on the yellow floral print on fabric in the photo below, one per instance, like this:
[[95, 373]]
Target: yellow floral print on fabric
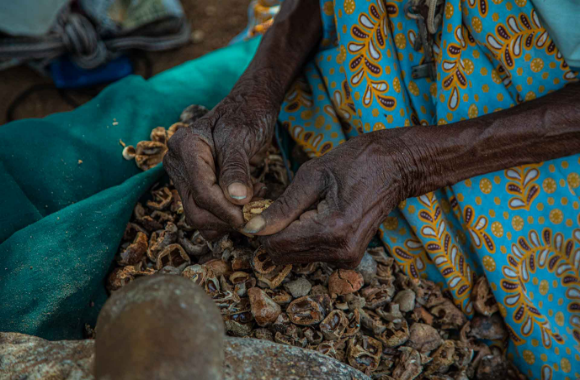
[[521, 226]]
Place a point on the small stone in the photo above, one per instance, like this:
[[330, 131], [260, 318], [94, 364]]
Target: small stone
[[299, 288], [424, 338], [197, 36], [264, 310], [344, 281], [367, 268], [406, 300]]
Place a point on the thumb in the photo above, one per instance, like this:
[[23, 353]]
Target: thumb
[[297, 198], [234, 178]]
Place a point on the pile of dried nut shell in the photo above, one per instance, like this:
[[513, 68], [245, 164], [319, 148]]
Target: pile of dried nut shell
[[374, 318]]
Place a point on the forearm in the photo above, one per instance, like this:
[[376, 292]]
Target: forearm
[[283, 51], [539, 130]]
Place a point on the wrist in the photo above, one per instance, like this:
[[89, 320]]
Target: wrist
[[405, 161]]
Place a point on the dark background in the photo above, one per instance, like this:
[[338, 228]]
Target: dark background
[[218, 21]]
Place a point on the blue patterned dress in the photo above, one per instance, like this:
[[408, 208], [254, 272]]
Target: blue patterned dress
[[521, 226]]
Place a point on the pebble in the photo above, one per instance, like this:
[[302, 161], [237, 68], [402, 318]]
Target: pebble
[[299, 287], [406, 300], [367, 268]]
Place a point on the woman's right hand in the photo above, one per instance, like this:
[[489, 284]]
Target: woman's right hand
[[209, 161]]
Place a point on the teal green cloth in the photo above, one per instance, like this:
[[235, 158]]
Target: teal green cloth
[[560, 18], [67, 193]]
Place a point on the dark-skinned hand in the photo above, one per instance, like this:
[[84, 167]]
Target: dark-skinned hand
[[209, 162], [335, 204]]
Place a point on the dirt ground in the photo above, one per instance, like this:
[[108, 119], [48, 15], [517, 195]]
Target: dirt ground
[[217, 22]]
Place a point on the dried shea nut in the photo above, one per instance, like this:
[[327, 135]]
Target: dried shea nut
[[275, 277], [396, 334], [241, 306], [309, 310], [442, 358], [279, 296], [376, 297], [255, 208], [448, 315], [262, 262], [263, 334], [149, 154], [160, 240], [129, 152], [218, 267], [176, 203], [344, 281], [264, 310], [135, 252], [492, 367], [334, 325], [239, 325], [409, 366], [424, 338], [241, 259], [353, 326], [240, 281], [490, 328], [159, 134], [390, 312], [196, 246], [118, 278], [144, 220], [196, 273], [220, 246], [483, 300], [162, 199], [364, 353], [372, 321], [173, 255], [131, 231], [314, 337]]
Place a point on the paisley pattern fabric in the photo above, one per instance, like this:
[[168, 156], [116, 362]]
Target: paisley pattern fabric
[[520, 227]]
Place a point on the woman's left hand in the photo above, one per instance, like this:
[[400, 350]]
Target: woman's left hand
[[336, 203]]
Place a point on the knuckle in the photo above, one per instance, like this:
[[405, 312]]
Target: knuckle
[[203, 199]]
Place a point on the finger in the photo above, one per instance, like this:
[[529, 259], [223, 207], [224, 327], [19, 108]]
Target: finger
[[190, 164], [260, 190], [303, 241], [324, 235], [202, 180], [197, 217], [234, 178], [259, 157], [302, 193]]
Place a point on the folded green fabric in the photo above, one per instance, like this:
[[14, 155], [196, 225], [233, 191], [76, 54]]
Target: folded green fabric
[[67, 193]]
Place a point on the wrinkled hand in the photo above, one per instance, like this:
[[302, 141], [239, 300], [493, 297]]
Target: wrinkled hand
[[336, 203], [209, 162]]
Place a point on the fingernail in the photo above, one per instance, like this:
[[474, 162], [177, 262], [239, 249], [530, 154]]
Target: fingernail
[[237, 190], [255, 225]]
